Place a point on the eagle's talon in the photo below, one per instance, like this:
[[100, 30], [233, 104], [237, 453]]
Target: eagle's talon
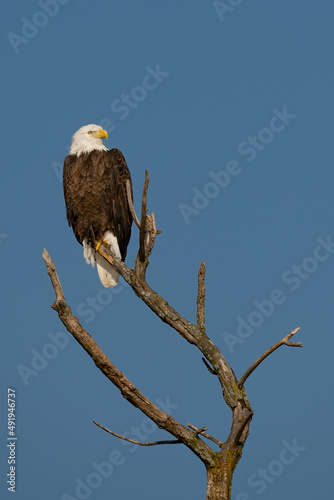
[[98, 244]]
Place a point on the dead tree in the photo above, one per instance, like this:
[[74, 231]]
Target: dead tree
[[219, 464]]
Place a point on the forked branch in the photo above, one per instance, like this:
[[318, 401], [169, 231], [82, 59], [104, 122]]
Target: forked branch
[[284, 341], [162, 419], [147, 229], [202, 432], [193, 333]]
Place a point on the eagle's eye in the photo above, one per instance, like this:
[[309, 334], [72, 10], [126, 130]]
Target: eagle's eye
[[90, 132]]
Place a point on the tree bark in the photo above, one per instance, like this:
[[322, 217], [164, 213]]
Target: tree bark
[[219, 482]]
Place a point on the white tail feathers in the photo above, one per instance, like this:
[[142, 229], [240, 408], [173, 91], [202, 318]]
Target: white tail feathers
[[88, 253], [107, 274]]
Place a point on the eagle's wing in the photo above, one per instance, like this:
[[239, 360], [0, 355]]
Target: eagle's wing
[[70, 183], [120, 218], [96, 198]]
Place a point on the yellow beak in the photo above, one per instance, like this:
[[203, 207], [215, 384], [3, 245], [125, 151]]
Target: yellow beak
[[101, 133]]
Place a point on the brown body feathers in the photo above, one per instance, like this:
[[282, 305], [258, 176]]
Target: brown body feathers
[[95, 196]]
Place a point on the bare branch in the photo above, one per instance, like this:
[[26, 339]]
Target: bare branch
[[211, 370], [196, 429], [201, 298], [136, 279], [284, 341], [128, 390], [130, 201], [51, 269], [153, 443], [202, 432], [151, 232]]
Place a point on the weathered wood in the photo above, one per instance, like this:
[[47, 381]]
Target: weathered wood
[[200, 315], [128, 390], [284, 341]]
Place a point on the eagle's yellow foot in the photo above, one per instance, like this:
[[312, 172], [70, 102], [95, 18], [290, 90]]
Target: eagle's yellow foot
[[99, 243]]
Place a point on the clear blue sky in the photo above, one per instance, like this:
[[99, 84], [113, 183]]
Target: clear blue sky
[[230, 109]]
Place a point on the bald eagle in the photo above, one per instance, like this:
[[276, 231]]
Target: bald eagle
[[97, 207]]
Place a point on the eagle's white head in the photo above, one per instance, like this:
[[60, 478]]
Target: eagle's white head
[[87, 139]]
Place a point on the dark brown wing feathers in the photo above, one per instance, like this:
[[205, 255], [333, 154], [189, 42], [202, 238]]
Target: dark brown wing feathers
[[95, 195]]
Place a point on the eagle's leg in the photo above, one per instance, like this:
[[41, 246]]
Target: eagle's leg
[[91, 238], [99, 243], [93, 242]]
